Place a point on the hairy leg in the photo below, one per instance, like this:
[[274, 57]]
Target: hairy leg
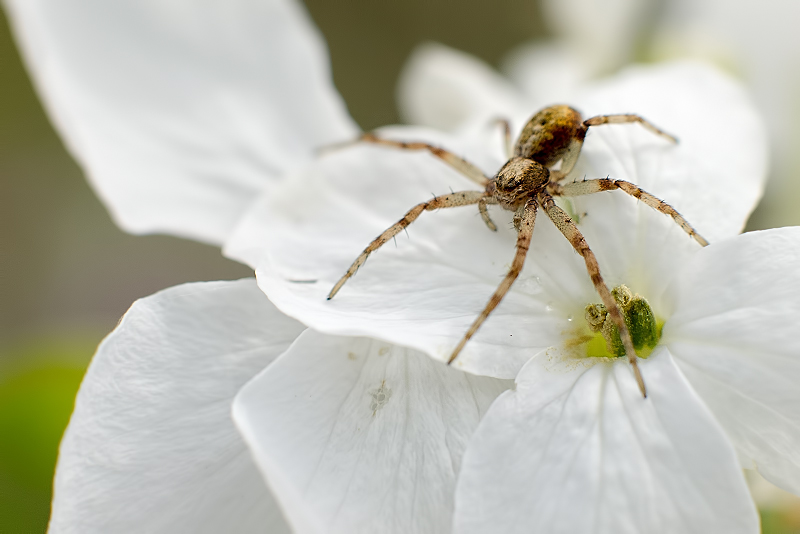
[[507, 143], [587, 187], [527, 217], [458, 163], [482, 203], [576, 239], [625, 119], [568, 160], [452, 200]]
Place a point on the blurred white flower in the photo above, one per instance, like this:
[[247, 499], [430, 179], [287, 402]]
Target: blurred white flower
[[755, 40], [759, 42], [600, 36]]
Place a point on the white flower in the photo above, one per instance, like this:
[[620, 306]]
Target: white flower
[[356, 434], [578, 450], [574, 447], [353, 434], [426, 291], [181, 112]]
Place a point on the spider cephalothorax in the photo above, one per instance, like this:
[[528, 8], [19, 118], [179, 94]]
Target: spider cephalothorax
[[512, 185], [528, 181]]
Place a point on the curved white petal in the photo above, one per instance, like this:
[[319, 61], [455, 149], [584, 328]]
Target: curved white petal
[[151, 446], [603, 34], [546, 72], [716, 173], [181, 111], [354, 435], [758, 41], [444, 88], [734, 335], [426, 291], [574, 451], [422, 293]]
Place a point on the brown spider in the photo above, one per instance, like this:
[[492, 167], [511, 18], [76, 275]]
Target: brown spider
[[526, 182]]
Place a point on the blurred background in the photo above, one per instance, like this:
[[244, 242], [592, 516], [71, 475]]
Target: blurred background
[[67, 273]]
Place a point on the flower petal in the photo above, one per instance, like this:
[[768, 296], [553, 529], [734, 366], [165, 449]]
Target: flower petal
[[354, 435], [577, 450], [444, 88], [603, 34], [425, 292], [530, 63], [716, 173], [734, 336], [151, 446], [713, 177], [181, 111]]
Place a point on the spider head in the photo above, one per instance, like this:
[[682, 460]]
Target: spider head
[[519, 179], [549, 134]]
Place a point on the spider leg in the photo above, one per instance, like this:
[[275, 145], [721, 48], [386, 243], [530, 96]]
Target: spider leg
[[458, 163], [578, 242], [588, 187], [507, 141], [571, 156], [628, 118], [485, 213], [527, 217], [453, 200], [568, 160]]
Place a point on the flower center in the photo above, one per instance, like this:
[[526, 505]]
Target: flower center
[[641, 322]]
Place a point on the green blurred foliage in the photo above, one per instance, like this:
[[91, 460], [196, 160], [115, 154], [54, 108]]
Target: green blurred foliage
[[36, 399], [780, 521]]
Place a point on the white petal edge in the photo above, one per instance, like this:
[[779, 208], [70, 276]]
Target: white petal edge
[[722, 153], [444, 88], [180, 112], [734, 336], [531, 63], [355, 435], [602, 34], [715, 175], [426, 291], [578, 450], [283, 239], [151, 446]]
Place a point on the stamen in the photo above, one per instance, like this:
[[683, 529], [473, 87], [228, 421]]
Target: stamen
[[645, 330]]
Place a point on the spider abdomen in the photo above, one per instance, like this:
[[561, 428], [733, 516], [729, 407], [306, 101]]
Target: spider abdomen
[[549, 134]]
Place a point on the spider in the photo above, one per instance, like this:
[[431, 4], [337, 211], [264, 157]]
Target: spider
[[527, 182]]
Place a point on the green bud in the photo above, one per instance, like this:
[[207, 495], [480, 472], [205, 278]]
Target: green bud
[[641, 323], [639, 318]]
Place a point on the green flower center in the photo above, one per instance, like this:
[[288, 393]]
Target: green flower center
[[645, 330]]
